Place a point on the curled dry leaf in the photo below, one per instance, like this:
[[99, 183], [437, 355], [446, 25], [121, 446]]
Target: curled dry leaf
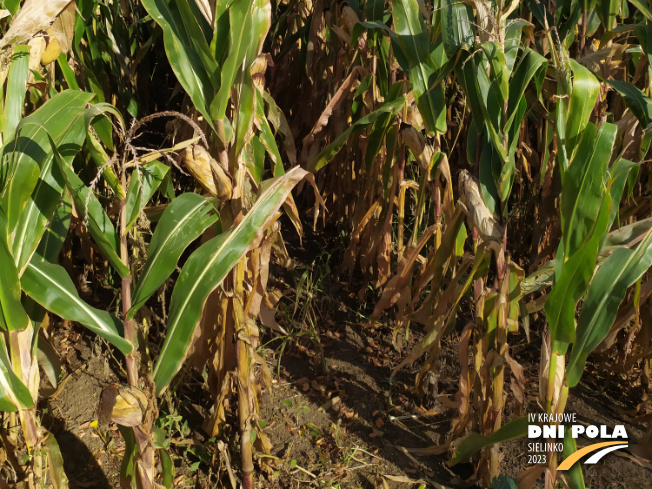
[[518, 380], [476, 210], [122, 404], [412, 114], [210, 175], [421, 150], [258, 68]]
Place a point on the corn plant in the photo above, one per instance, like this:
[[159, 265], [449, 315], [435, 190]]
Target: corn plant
[[500, 72], [36, 152], [216, 55]]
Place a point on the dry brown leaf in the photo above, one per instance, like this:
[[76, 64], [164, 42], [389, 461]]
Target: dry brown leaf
[[336, 101], [527, 478], [34, 16], [518, 380], [396, 286]]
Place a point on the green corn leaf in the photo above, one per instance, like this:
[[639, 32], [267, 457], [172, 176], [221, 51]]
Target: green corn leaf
[[13, 391], [531, 66], [499, 74], [6, 404], [50, 286], [12, 314], [99, 225], [490, 167], [466, 74], [268, 140], [573, 476], [11, 5], [586, 89], [18, 177], [574, 278], [56, 132], [185, 59], [607, 11], [208, 266], [67, 71], [183, 221], [642, 8], [167, 468], [585, 185], [376, 137], [474, 442], [456, 22], [513, 40], [16, 87], [414, 40], [626, 235], [250, 21], [56, 232], [100, 158], [638, 103], [619, 271], [245, 112], [144, 182], [261, 15], [254, 154], [619, 174], [374, 10]]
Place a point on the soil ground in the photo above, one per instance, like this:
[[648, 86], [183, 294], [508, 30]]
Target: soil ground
[[334, 415]]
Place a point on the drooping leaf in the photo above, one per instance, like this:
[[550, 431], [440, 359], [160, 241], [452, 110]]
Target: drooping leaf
[[638, 103], [51, 286], [56, 130], [619, 271], [99, 225]]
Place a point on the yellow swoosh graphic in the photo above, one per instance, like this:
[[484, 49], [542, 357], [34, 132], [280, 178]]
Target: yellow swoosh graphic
[[568, 462]]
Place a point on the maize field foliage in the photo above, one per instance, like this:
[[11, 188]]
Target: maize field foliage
[[487, 161]]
